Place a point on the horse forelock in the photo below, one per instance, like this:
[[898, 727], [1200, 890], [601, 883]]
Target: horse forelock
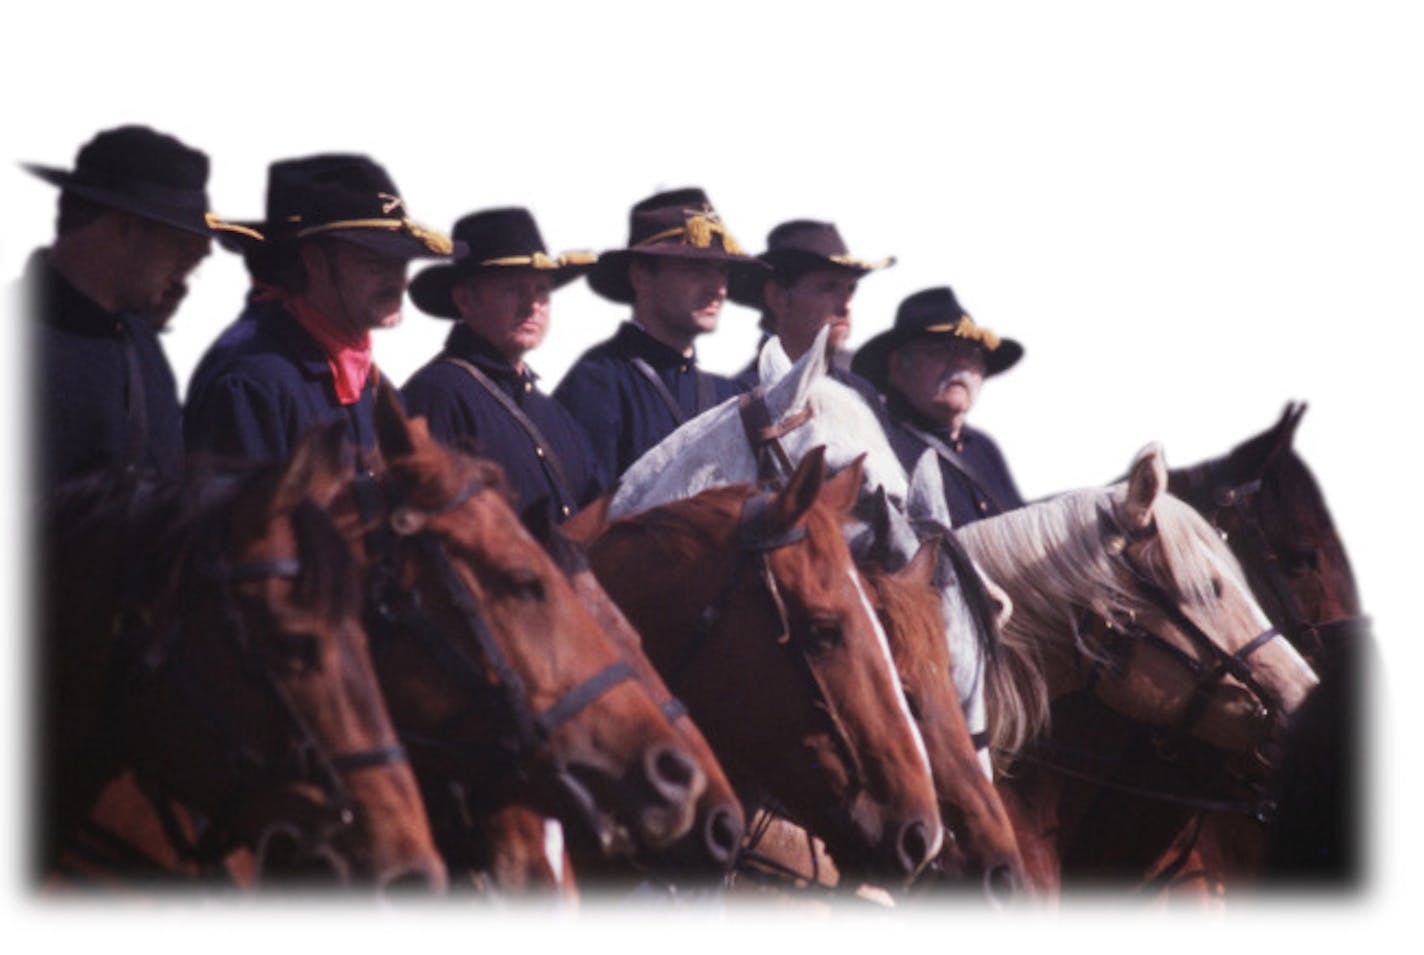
[[429, 478]]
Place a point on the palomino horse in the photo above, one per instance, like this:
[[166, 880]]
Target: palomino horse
[[502, 685], [756, 618], [215, 651], [1178, 640]]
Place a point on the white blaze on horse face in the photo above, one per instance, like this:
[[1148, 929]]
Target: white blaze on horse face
[[554, 849], [890, 666]]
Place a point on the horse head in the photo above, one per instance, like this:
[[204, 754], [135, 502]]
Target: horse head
[[752, 611], [500, 681], [1271, 512], [981, 841], [240, 685], [1128, 592]]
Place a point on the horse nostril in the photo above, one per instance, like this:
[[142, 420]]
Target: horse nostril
[[671, 772], [913, 846], [410, 881], [722, 835], [1000, 886]]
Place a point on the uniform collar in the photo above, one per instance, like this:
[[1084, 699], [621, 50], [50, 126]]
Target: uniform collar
[[901, 410], [62, 306], [635, 341], [463, 342]]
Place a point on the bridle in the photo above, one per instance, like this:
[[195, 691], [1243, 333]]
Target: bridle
[[773, 463], [1211, 664], [1235, 515], [308, 760], [756, 542], [525, 731]]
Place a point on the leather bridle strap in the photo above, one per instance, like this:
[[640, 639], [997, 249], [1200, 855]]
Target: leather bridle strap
[[764, 435]]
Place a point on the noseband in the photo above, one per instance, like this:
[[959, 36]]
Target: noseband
[[1209, 667]]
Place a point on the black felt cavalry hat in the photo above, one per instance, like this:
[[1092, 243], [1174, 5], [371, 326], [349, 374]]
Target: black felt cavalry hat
[[341, 196], [678, 224], [801, 245], [494, 240], [142, 171], [932, 313]]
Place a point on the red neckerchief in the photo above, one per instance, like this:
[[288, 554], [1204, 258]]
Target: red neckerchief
[[349, 359]]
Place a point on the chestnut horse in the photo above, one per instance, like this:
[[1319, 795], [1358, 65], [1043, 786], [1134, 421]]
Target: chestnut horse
[[1127, 593], [214, 653], [752, 611], [502, 685]]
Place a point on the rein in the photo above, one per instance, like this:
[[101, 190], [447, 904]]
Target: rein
[[1214, 663]]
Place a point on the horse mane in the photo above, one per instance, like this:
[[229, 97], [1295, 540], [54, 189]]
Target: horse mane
[[1050, 556]]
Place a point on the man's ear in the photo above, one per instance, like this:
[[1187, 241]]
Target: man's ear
[[460, 296], [773, 301], [895, 367], [639, 271]]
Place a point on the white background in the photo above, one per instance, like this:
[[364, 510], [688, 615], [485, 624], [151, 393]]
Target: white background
[[1188, 214]]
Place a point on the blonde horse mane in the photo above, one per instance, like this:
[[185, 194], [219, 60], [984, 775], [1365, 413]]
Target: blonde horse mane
[[1051, 558]]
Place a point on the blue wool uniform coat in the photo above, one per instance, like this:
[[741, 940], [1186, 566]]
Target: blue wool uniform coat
[[619, 409], [459, 410], [967, 500], [85, 417], [262, 385]]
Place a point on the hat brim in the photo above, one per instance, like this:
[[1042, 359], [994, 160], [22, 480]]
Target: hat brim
[[609, 277], [241, 237], [748, 291], [872, 359], [431, 288], [198, 221]]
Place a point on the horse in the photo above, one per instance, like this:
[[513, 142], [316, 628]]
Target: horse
[[214, 663], [503, 687], [1127, 593], [757, 620], [979, 838]]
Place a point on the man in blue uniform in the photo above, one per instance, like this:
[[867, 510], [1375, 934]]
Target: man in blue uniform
[[930, 366], [479, 389], [811, 279], [133, 223], [328, 266], [633, 390]]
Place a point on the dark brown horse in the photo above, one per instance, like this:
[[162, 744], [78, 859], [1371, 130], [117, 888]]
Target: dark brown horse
[[502, 685], [206, 638], [751, 609]]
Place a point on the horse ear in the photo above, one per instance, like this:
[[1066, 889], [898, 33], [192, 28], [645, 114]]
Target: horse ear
[[585, 526], [926, 500], [922, 567], [317, 468], [393, 431], [1145, 483], [772, 363], [791, 390], [801, 491], [841, 490]]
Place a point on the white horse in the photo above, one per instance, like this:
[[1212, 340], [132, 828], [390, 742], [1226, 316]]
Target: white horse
[[713, 449]]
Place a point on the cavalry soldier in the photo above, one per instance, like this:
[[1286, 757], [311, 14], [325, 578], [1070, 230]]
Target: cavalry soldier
[[480, 387], [634, 389], [811, 280], [930, 366], [328, 265], [133, 223]]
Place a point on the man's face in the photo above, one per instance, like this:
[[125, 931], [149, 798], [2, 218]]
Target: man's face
[[509, 308], [356, 287], [813, 300], [160, 260], [682, 296], [939, 377]]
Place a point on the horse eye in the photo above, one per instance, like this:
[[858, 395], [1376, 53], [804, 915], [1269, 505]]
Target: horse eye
[[522, 584], [298, 653], [825, 633]]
